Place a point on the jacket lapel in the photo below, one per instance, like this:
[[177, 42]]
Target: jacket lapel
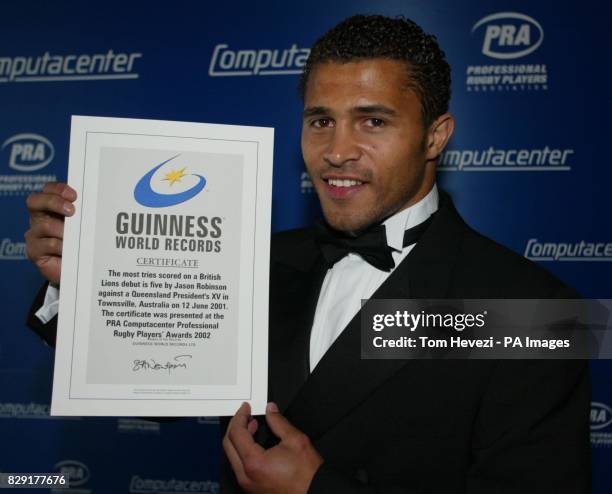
[[297, 281], [342, 379]]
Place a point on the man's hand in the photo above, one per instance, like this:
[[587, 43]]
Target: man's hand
[[285, 468], [45, 236]]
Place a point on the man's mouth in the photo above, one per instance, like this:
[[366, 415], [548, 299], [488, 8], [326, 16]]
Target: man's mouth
[[338, 182], [342, 188]]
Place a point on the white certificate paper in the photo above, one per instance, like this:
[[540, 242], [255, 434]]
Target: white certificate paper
[[164, 292]]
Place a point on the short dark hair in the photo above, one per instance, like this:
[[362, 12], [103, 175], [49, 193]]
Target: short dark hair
[[363, 37]]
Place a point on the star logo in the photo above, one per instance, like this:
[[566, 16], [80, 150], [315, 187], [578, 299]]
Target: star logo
[[146, 196], [174, 176]]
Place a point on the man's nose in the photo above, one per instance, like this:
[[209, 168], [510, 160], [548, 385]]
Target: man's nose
[[342, 147]]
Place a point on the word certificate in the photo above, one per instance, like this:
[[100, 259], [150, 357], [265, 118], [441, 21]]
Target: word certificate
[[164, 285]]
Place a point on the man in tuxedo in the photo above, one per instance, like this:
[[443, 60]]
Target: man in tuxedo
[[376, 93]]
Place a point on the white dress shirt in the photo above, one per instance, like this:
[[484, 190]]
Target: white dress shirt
[[50, 305], [352, 279]]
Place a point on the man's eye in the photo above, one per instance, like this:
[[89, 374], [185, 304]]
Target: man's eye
[[375, 122], [321, 123]]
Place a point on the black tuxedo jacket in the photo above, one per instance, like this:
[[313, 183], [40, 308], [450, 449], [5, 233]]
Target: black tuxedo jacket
[[424, 426]]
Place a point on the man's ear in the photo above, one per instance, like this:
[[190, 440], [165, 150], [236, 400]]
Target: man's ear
[[438, 135]]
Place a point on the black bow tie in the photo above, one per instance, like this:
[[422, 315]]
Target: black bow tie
[[371, 244]]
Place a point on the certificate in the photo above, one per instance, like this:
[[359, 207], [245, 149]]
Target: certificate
[[164, 292]]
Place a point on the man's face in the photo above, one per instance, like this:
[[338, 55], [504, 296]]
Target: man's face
[[363, 142]]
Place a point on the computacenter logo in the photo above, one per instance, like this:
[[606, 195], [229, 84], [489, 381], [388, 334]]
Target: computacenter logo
[[24, 410], [30, 410], [12, 251], [141, 426], [248, 62], [144, 485], [568, 252], [507, 36], [70, 67], [493, 159]]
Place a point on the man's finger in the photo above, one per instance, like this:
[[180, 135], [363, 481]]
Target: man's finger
[[242, 416], [47, 226], [49, 247], [242, 451], [61, 189], [239, 435], [41, 249], [50, 267], [252, 426], [229, 448], [40, 203], [233, 458], [279, 425]]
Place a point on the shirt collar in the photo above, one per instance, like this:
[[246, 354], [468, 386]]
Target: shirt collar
[[407, 218]]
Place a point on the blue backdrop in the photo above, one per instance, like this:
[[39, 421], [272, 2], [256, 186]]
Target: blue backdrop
[[527, 167]]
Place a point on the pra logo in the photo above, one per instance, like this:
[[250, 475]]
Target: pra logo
[[77, 472], [146, 196], [601, 416], [228, 62], [509, 35], [28, 152]]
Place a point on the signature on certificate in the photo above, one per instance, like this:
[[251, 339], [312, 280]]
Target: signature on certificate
[[178, 362]]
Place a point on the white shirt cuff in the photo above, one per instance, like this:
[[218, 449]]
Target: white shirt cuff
[[50, 305]]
